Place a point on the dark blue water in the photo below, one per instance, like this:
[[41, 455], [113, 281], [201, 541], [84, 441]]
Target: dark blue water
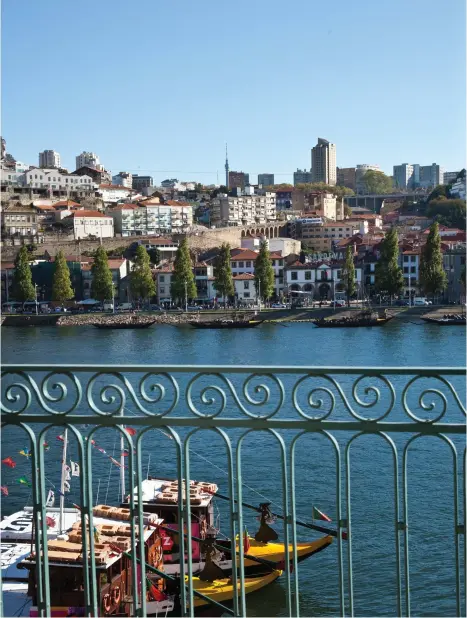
[[432, 564]]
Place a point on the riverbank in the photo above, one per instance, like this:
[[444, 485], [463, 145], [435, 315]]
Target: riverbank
[[177, 319]]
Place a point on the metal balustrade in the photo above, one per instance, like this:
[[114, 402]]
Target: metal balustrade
[[340, 404]]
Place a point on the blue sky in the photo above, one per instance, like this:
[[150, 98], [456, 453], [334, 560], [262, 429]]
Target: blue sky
[[159, 86]]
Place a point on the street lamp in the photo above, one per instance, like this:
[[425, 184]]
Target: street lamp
[[186, 296], [35, 291]]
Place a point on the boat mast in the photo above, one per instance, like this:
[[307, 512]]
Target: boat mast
[[63, 479], [122, 465]]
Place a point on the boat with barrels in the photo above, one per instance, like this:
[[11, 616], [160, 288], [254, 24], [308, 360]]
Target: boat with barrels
[[364, 318]]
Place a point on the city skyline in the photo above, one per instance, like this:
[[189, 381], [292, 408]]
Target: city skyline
[[183, 135]]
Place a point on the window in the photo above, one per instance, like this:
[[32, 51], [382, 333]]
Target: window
[[246, 285], [406, 269], [463, 260], [246, 294], [162, 278], [308, 275], [406, 258], [294, 275], [240, 264], [234, 264], [162, 290], [413, 269], [248, 264]]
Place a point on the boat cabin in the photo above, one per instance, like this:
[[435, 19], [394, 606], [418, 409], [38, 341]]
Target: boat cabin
[[112, 535], [161, 496]]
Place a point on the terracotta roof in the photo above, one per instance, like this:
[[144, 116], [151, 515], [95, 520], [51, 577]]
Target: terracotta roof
[[247, 254], [243, 277], [175, 203], [164, 269], [124, 207], [66, 203], [45, 207], [90, 213], [7, 265], [116, 262], [162, 241]]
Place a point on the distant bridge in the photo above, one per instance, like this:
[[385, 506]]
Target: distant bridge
[[375, 202]]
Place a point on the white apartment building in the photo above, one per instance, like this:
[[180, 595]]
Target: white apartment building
[[120, 269], [204, 280], [151, 219], [49, 158], [242, 261], [449, 177], [92, 223], [458, 189], [409, 261], [243, 209], [319, 280], [52, 179], [245, 289], [123, 179], [323, 162], [111, 194], [429, 176], [89, 159]]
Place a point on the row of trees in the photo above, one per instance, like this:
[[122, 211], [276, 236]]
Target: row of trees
[[389, 278]]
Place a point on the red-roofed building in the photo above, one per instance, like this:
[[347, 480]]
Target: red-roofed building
[[92, 223], [245, 289]]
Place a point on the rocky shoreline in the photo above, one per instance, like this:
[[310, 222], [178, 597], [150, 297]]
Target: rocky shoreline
[[86, 319]]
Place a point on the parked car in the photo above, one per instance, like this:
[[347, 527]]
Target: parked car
[[124, 307], [421, 301], [194, 308], [278, 306]]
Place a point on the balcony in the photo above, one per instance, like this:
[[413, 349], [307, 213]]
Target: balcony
[[349, 411]]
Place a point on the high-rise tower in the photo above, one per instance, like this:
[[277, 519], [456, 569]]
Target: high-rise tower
[[226, 168]]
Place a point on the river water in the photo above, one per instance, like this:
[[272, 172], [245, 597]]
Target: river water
[[397, 344]]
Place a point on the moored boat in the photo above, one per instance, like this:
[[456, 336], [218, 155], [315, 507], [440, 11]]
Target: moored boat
[[134, 322], [452, 319], [364, 318], [226, 323]]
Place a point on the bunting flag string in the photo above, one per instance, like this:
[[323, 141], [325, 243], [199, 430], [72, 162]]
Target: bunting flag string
[[8, 461], [67, 473], [4, 490], [24, 481], [130, 431], [25, 452], [66, 486], [61, 438], [50, 521]]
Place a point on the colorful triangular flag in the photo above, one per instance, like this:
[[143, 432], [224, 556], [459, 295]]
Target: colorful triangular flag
[[24, 481], [317, 514], [4, 490], [25, 452], [8, 461], [66, 486], [50, 498], [130, 431], [50, 521]]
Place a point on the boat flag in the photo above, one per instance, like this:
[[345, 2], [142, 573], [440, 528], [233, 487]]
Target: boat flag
[[130, 431], [67, 473], [46, 446], [24, 481], [25, 452], [8, 461], [50, 498], [66, 485], [246, 542], [50, 521], [61, 438], [317, 514], [4, 490], [156, 594], [74, 468]]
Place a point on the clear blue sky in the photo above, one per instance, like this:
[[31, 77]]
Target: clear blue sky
[[161, 85]]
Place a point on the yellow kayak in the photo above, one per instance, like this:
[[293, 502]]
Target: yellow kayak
[[222, 590]]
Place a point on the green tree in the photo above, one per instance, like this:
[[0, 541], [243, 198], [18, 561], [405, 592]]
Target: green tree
[[22, 288], [102, 287], [61, 286], [463, 277], [223, 273], [264, 273], [347, 211], [448, 212], [377, 182], [141, 279], [154, 255], [433, 279], [183, 281], [440, 191], [389, 278], [348, 275]]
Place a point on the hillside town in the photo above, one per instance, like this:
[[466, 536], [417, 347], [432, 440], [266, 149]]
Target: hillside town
[[309, 228]]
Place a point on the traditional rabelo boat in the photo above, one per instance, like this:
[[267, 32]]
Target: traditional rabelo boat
[[226, 323], [125, 322], [363, 318], [264, 553], [448, 319]]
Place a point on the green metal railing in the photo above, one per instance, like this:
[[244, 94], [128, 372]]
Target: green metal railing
[[341, 404]]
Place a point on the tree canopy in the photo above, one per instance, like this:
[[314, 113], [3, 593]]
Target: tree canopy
[[154, 255], [389, 278], [348, 275], [223, 273], [313, 187], [141, 279], [61, 286], [433, 279], [448, 212], [264, 273], [22, 288], [183, 275], [440, 191], [102, 287], [376, 182]]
